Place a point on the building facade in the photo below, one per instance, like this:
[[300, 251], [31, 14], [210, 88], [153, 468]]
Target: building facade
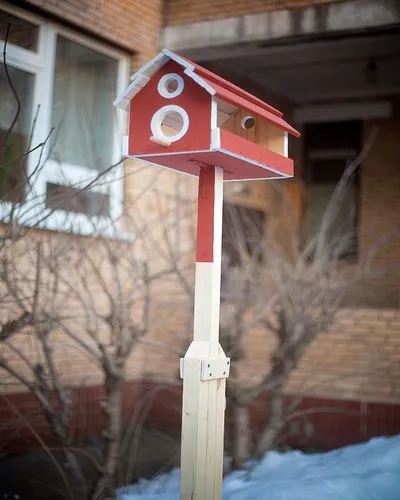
[[332, 68], [67, 62]]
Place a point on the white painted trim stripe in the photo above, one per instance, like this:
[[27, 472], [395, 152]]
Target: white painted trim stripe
[[125, 145], [139, 157], [258, 179], [286, 144], [149, 65], [215, 138], [144, 160]]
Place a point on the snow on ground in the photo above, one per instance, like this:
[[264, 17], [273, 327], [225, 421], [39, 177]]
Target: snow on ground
[[368, 471]]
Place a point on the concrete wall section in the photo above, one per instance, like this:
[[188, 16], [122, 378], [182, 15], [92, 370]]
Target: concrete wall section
[[197, 33]]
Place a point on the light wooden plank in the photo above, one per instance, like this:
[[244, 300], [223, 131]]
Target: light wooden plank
[[203, 409], [263, 133]]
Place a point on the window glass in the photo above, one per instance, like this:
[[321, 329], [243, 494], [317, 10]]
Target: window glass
[[330, 148], [21, 33], [344, 222], [75, 200], [15, 129], [82, 111]]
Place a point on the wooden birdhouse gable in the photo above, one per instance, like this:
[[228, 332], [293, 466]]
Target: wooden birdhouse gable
[[171, 113], [183, 117]]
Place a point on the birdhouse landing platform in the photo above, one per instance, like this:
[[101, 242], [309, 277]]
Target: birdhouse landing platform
[[183, 117]]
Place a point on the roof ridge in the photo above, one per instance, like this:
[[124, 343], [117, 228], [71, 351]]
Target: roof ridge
[[211, 83]]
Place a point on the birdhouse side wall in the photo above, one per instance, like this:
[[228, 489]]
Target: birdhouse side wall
[[263, 133], [195, 102]]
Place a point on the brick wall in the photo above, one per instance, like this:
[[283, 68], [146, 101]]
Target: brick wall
[[379, 210], [187, 11], [132, 24], [358, 359], [316, 423]]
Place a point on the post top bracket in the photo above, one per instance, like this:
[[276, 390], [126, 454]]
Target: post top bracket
[[212, 369]]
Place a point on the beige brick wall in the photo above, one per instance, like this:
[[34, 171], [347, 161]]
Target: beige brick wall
[[359, 358], [188, 11], [379, 211]]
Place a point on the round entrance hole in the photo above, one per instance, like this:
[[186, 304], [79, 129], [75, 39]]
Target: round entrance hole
[[170, 123], [248, 122], [170, 85]]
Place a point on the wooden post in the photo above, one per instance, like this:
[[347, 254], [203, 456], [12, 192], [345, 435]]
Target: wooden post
[[205, 366]]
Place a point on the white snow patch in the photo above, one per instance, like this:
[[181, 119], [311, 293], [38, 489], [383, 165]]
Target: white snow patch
[[368, 471]]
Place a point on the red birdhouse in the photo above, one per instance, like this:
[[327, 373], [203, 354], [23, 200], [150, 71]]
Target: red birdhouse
[[183, 117]]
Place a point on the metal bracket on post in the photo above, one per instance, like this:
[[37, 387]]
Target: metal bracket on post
[[211, 369]]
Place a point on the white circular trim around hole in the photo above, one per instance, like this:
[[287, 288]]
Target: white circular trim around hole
[[163, 85], [160, 115], [245, 119]]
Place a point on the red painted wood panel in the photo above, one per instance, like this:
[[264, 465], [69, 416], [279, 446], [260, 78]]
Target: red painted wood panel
[[254, 109], [225, 84], [205, 216], [242, 147], [194, 100]]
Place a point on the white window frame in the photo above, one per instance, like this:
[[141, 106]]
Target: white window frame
[[33, 211]]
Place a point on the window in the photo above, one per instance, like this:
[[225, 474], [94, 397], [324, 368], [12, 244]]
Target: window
[[66, 82], [84, 89], [329, 148], [13, 143]]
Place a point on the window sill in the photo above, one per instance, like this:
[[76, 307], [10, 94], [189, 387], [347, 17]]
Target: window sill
[[65, 222]]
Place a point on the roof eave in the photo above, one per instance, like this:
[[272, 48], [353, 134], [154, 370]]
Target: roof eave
[[143, 76]]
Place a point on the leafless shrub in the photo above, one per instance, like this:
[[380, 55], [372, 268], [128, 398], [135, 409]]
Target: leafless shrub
[[91, 293]]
